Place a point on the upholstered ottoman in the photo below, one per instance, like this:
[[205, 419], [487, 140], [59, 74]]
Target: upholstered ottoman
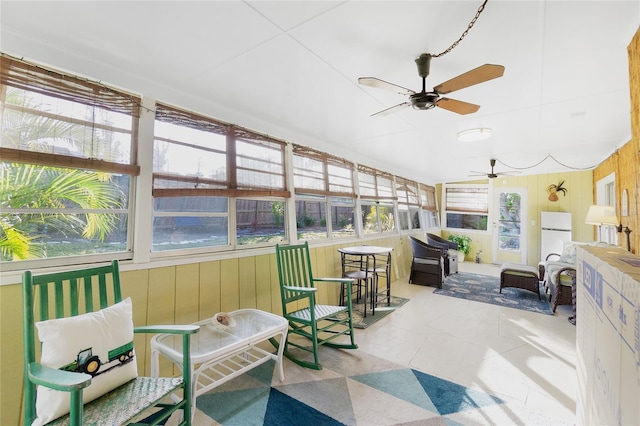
[[520, 276]]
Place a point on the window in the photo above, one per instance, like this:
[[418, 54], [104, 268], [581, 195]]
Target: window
[[68, 158], [343, 213], [315, 172], [466, 207], [260, 222], [376, 193], [606, 195], [430, 219], [311, 217], [325, 197], [258, 164], [190, 222], [429, 208], [311, 210], [187, 157], [200, 166], [408, 204], [377, 217]]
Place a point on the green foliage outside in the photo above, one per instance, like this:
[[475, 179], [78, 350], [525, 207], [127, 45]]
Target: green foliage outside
[[35, 187], [387, 221], [305, 221], [277, 209], [27, 186]]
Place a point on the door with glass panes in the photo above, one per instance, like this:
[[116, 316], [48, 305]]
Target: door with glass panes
[[509, 225]]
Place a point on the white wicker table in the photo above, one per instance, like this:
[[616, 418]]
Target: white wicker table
[[219, 354]]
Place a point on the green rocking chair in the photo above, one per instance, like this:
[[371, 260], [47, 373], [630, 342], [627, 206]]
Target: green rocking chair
[[74, 311], [318, 324]]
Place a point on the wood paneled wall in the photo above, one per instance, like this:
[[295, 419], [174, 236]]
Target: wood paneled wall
[[625, 162]]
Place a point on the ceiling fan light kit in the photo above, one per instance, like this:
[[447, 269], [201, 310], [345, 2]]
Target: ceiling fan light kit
[[474, 135], [423, 101]]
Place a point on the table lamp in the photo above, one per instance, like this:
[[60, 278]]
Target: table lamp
[[601, 215]]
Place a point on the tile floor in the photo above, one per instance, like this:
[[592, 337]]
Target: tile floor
[[525, 358]]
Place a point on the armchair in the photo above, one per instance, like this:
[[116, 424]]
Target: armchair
[[427, 264], [319, 324], [558, 272], [449, 250], [85, 370]]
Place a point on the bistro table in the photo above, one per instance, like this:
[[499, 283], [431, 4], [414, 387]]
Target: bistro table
[[366, 264]]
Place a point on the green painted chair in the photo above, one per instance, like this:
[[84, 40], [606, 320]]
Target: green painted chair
[[81, 298], [310, 324]]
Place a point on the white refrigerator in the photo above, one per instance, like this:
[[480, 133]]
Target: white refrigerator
[[556, 228]]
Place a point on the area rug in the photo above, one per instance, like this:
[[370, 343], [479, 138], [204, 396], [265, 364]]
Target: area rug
[[484, 288], [353, 388], [382, 310]]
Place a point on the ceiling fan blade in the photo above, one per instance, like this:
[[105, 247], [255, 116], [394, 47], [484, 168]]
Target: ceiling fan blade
[[491, 175], [459, 107], [381, 84], [478, 75], [392, 109]]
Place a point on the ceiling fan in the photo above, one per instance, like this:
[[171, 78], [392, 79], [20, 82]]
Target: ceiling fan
[[426, 100], [492, 174]]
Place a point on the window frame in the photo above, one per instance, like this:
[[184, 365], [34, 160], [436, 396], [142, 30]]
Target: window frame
[[332, 186], [408, 203], [380, 192], [188, 214], [323, 203], [340, 202], [286, 232], [228, 187], [67, 94], [379, 223], [429, 208], [468, 211]]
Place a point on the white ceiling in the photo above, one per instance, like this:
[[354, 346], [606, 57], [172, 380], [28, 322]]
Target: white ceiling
[[290, 68]]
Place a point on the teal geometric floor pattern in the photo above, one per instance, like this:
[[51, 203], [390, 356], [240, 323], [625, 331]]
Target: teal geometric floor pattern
[[353, 388]]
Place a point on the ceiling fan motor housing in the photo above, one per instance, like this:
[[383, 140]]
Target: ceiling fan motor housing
[[492, 175], [423, 100], [424, 64]]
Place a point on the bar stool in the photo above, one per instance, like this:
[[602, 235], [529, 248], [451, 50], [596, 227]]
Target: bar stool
[[357, 268], [381, 268]]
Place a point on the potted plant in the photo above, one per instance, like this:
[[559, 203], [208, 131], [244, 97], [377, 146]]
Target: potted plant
[[464, 245]]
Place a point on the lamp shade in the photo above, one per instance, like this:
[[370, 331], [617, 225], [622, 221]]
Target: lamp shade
[[601, 215]]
